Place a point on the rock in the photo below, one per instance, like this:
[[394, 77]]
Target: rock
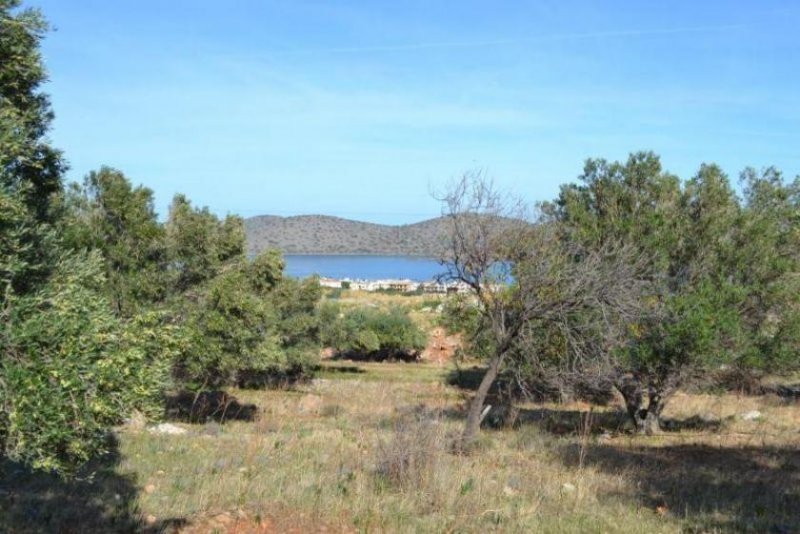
[[514, 482], [167, 428], [568, 488], [752, 415], [310, 404], [137, 421]]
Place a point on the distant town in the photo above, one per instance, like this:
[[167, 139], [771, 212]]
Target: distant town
[[395, 285]]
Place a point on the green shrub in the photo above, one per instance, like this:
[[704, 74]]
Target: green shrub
[[228, 328], [72, 369], [370, 332], [250, 326]]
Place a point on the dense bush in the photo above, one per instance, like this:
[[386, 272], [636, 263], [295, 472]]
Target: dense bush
[[72, 369], [370, 332], [722, 276], [249, 325], [108, 214]]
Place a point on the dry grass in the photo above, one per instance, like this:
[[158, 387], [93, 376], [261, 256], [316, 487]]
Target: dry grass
[[367, 455], [370, 453]]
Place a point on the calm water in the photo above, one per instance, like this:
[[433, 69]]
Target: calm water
[[362, 267]]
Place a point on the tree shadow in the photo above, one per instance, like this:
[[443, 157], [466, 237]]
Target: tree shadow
[[204, 406], [787, 392], [536, 389], [563, 422], [99, 499], [379, 356], [272, 378], [468, 378], [340, 369], [742, 489]]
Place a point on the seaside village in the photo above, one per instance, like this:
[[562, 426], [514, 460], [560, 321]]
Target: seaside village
[[395, 285]]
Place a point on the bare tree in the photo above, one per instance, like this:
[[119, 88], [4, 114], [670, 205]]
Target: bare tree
[[527, 277]]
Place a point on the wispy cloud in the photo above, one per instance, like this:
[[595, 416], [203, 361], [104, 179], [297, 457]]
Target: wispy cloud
[[609, 34]]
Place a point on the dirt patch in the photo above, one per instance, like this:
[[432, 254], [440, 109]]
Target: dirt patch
[[243, 523], [441, 348]]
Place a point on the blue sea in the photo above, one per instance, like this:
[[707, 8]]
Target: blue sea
[[363, 267]]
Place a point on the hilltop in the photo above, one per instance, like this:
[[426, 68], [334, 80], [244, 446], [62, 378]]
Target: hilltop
[[323, 234]]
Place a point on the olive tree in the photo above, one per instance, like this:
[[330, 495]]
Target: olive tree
[[766, 264], [108, 214], [248, 325], [71, 368], [689, 233], [527, 276], [364, 332]]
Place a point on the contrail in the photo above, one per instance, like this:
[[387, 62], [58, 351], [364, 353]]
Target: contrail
[[523, 40]]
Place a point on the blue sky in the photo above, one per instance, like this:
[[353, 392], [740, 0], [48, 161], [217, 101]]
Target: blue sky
[[359, 109]]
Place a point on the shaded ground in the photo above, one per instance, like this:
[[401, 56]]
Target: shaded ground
[[208, 406], [742, 489], [35, 502]]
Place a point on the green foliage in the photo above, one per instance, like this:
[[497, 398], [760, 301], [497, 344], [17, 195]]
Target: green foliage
[[723, 270], [766, 261], [19, 234], [266, 271], [634, 202], [111, 216], [370, 332], [700, 328], [295, 303], [30, 169], [199, 244], [460, 314], [72, 369], [249, 321], [228, 325], [29, 166]]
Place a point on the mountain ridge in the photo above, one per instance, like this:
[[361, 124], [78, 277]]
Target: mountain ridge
[[327, 234]]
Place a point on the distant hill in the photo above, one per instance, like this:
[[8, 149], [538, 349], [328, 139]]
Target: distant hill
[[322, 234]]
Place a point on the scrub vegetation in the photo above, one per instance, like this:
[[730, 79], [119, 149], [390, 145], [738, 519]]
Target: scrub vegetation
[[625, 358]]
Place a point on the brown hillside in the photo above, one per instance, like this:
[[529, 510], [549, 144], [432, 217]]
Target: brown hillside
[[321, 234]]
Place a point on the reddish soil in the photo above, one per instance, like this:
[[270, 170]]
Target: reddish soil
[[241, 523], [441, 347]]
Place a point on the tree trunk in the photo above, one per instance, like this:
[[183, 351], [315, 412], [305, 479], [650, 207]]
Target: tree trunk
[[658, 399], [473, 425], [633, 394], [646, 420], [651, 424]]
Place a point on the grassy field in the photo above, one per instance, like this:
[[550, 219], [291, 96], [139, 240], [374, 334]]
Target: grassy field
[[364, 448]]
